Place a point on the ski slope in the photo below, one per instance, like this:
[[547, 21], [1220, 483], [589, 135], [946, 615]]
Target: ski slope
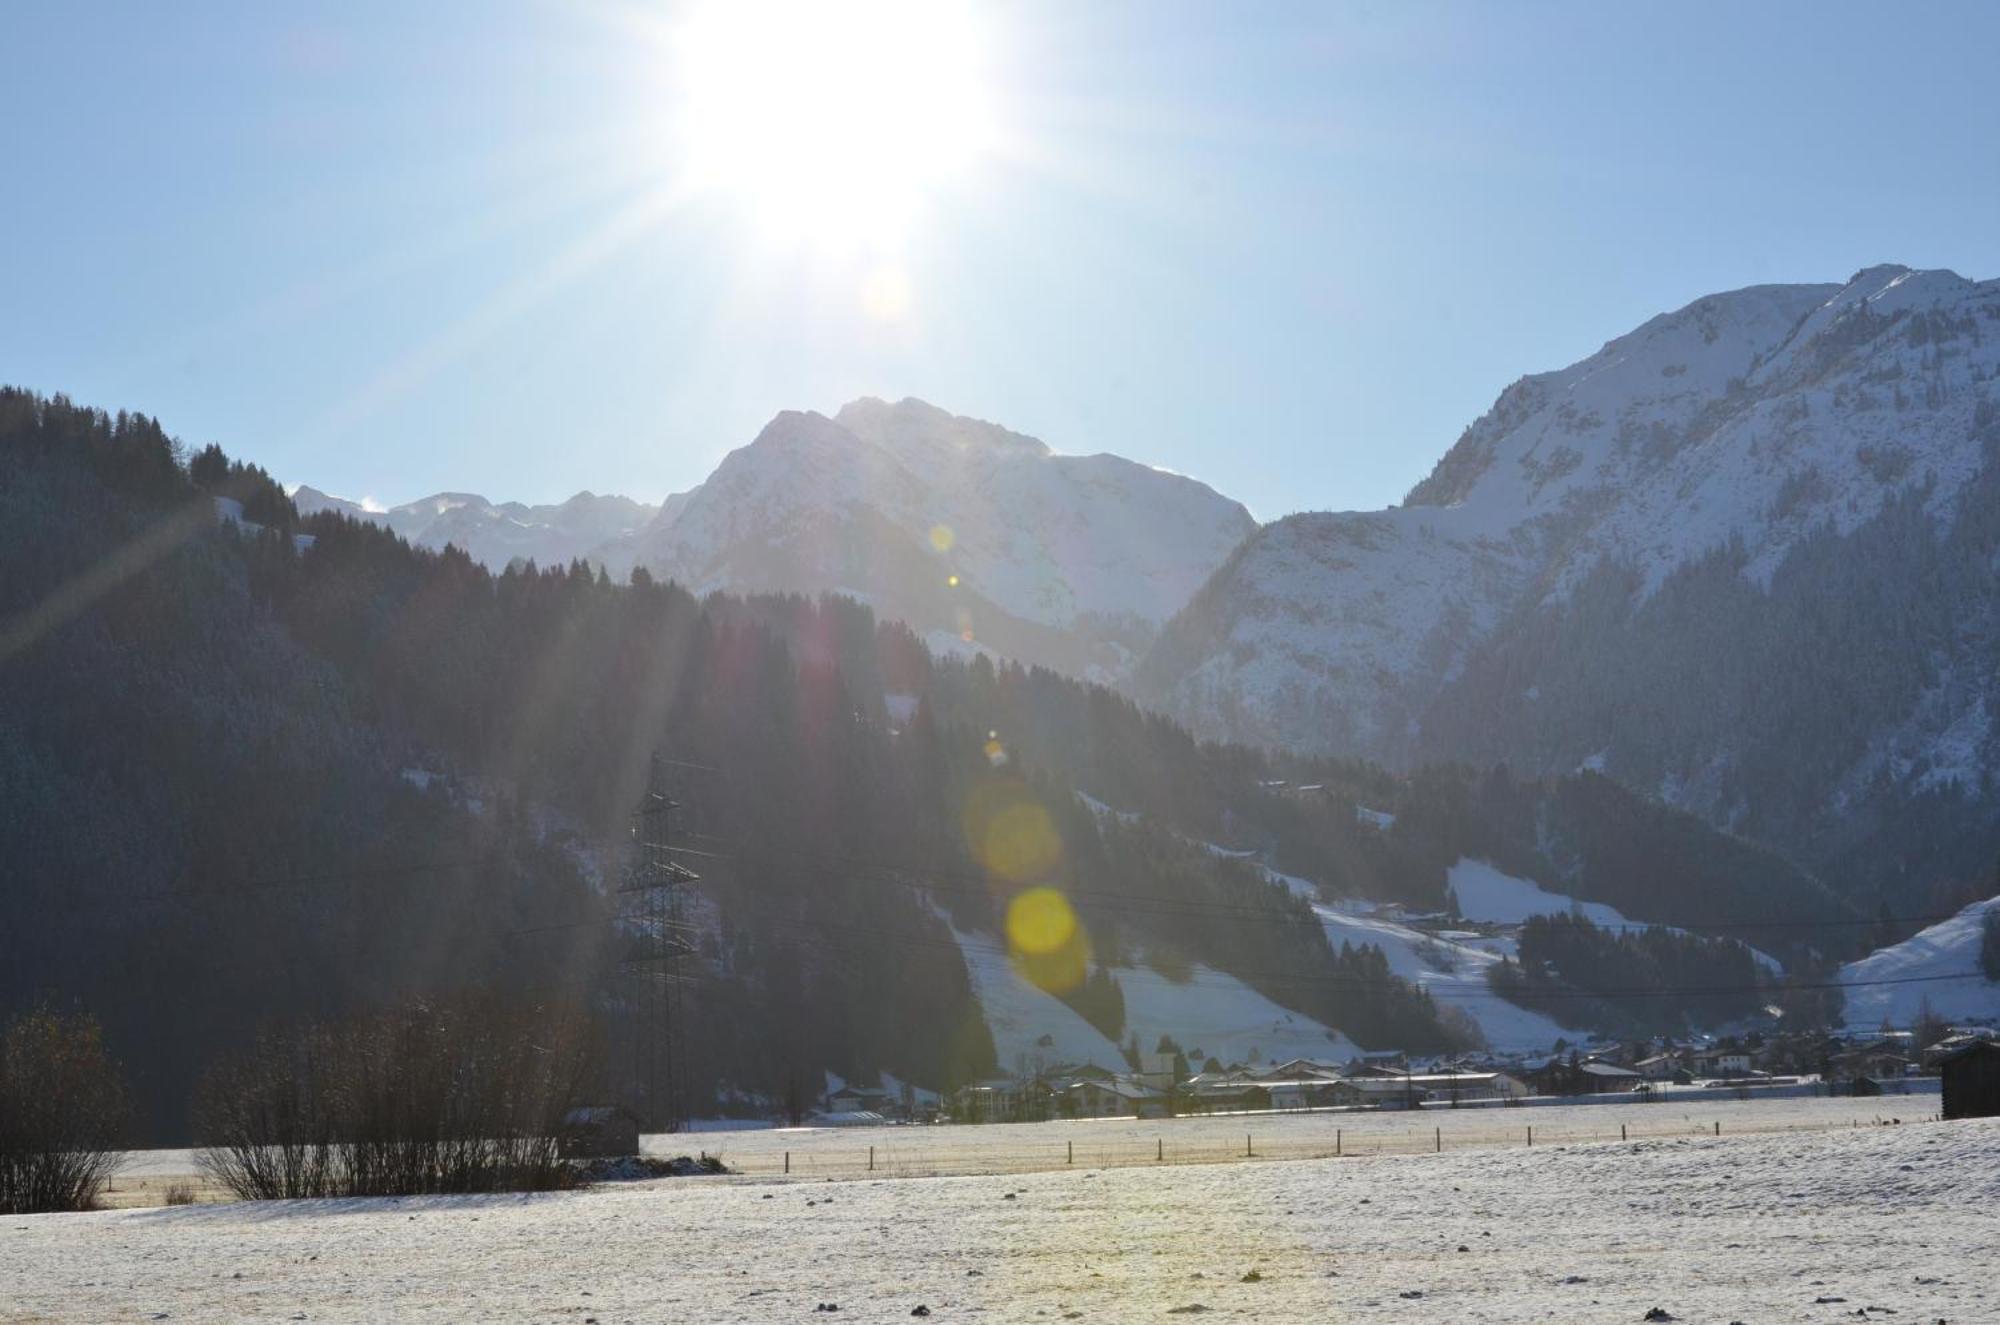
[[1941, 964], [1213, 1012], [1452, 969]]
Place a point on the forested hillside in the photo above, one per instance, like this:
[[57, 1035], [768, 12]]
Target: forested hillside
[[254, 767]]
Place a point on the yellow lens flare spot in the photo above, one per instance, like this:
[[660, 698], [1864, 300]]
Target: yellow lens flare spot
[[942, 538], [1011, 835], [951, 581], [1040, 920], [1046, 940], [996, 753]]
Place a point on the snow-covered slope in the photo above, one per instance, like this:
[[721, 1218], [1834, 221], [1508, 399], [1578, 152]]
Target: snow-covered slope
[[1453, 968], [1626, 563], [1213, 1012], [1940, 964], [954, 525], [495, 535]]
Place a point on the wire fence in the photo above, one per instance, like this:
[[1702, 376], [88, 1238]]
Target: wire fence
[[908, 1152]]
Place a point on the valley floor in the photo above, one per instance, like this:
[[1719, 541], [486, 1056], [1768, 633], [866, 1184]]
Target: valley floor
[[1802, 1227]]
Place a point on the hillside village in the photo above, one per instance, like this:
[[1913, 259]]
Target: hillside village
[[1164, 1084]]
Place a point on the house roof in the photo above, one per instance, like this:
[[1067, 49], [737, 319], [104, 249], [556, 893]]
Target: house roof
[[1605, 1070]]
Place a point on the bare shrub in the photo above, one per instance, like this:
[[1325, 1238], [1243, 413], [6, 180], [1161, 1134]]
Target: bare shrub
[[63, 1112], [180, 1193], [459, 1095]]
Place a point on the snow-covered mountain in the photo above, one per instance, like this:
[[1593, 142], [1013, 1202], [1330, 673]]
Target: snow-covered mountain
[[495, 535], [1939, 966], [1741, 557], [973, 534]]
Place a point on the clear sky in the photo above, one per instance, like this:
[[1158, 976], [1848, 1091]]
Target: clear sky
[[392, 248]]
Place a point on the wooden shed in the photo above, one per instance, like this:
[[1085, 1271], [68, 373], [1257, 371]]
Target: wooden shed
[[602, 1131], [1972, 1081]]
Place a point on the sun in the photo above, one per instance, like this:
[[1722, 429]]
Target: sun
[[831, 126]]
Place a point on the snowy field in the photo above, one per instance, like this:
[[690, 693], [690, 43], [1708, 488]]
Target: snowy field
[[1120, 1142], [1002, 1148], [1800, 1227]]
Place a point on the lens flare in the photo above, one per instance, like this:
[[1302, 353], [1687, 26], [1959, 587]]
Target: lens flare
[[1011, 835], [942, 538], [1040, 920], [1046, 940]]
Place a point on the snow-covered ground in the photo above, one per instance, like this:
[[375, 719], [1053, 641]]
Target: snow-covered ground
[[1453, 970], [1791, 1227], [1213, 1012], [1485, 893], [1941, 964]]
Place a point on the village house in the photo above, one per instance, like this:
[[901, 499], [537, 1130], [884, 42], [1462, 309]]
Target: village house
[[1663, 1067], [1560, 1076], [1881, 1060], [1722, 1062], [1224, 1092], [1121, 1097]]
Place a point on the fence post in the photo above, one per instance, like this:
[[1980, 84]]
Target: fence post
[[1621, 1131], [1438, 1135], [1072, 1154], [1718, 1127], [788, 1161], [1246, 1145], [871, 1159], [1159, 1150], [1336, 1140], [1531, 1134]]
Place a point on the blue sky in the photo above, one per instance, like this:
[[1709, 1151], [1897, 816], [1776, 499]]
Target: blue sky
[[1292, 250]]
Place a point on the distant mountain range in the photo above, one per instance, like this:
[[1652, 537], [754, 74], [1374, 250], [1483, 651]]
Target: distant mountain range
[[979, 538], [497, 535], [1740, 559]]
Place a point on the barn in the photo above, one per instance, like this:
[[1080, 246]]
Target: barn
[[1972, 1081]]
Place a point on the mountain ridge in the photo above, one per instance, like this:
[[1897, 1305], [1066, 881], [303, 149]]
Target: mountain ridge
[[1685, 482]]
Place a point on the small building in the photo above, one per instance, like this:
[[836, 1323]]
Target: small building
[[860, 1099], [1225, 1092], [1663, 1067], [1876, 1063], [1584, 1077], [1122, 1097], [1972, 1081], [598, 1131], [1723, 1062]]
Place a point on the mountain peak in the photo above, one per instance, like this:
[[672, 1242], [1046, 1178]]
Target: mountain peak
[[912, 424]]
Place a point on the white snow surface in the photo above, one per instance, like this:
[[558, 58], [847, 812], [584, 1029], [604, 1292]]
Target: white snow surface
[[1213, 1011], [1453, 970], [1805, 1227], [1484, 893], [1940, 963]]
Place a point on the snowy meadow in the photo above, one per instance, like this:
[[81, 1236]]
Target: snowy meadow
[[1779, 1226]]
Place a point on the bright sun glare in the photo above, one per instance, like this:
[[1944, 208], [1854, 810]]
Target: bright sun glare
[[831, 126]]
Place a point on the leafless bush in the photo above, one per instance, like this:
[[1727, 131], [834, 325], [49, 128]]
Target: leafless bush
[[461, 1095], [62, 1113], [180, 1193]]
